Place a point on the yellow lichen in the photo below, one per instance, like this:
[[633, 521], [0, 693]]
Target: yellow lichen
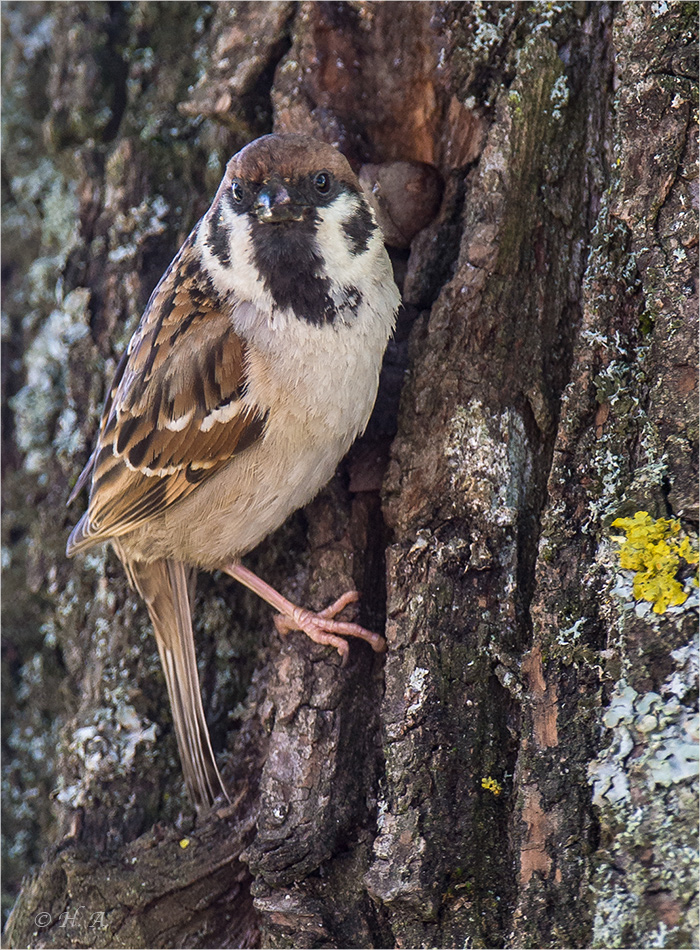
[[184, 843], [654, 550], [491, 785]]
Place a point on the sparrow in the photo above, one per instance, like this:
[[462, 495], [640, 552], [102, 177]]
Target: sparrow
[[253, 369]]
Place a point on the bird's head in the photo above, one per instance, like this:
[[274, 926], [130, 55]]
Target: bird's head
[[290, 216], [280, 179]]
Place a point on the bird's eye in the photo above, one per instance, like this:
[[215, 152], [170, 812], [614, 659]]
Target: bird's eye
[[322, 183], [237, 191]]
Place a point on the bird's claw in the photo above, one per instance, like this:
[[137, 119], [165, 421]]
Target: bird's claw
[[322, 628]]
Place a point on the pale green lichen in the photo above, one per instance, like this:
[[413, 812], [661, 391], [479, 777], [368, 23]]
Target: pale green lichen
[[106, 746], [485, 34], [129, 230], [416, 690], [44, 210], [613, 477], [489, 459], [559, 97], [621, 372], [36, 404], [664, 726], [645, 785]]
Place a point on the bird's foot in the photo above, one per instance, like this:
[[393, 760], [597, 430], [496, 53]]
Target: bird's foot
[[320, 627]]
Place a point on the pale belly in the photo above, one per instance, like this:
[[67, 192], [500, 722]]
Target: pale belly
[[231, 513], [320, 389]]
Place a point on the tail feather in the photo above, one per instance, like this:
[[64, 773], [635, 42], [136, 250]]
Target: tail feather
[[165, 587]]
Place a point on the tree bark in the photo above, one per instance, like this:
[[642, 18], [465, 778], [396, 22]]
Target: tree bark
[[518, 771]]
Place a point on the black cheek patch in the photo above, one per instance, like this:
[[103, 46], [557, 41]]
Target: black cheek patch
[[218, 238], [359, 228]]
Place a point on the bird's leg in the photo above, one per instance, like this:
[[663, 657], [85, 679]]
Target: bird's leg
[[320, 627]]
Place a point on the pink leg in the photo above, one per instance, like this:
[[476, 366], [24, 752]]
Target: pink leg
[[320, 627]]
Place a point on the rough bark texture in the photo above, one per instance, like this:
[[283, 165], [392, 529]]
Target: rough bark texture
[[518, 770]]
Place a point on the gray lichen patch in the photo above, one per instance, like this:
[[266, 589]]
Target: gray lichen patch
[[105, 747], [109, 739], [645, 783], [489, 461], [131, 228], [39, 406]]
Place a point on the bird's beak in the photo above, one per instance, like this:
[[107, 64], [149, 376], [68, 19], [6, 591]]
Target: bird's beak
[[274, 205]]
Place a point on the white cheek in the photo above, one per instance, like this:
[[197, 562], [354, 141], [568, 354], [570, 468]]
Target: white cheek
[[240, 277], [335, 247]]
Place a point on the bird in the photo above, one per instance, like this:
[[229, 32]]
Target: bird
[[253, 369]]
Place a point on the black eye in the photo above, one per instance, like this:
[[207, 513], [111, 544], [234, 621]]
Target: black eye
[[322, 183], [237, 191]]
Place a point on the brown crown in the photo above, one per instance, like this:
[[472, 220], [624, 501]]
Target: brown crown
[[288, 157]]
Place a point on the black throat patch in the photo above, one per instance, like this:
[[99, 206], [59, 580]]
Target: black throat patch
[[290, 267]]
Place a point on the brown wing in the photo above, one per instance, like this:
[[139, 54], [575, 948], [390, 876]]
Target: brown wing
[[175, 412]]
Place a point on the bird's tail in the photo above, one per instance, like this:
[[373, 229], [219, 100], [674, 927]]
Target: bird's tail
[[165, 587]]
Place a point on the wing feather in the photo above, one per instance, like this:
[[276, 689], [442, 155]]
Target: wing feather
[[176, 411]]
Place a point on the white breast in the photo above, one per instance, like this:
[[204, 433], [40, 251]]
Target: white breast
[[318, 383], [326, 373]]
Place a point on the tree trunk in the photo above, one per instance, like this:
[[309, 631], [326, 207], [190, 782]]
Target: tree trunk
[[520, 769]]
